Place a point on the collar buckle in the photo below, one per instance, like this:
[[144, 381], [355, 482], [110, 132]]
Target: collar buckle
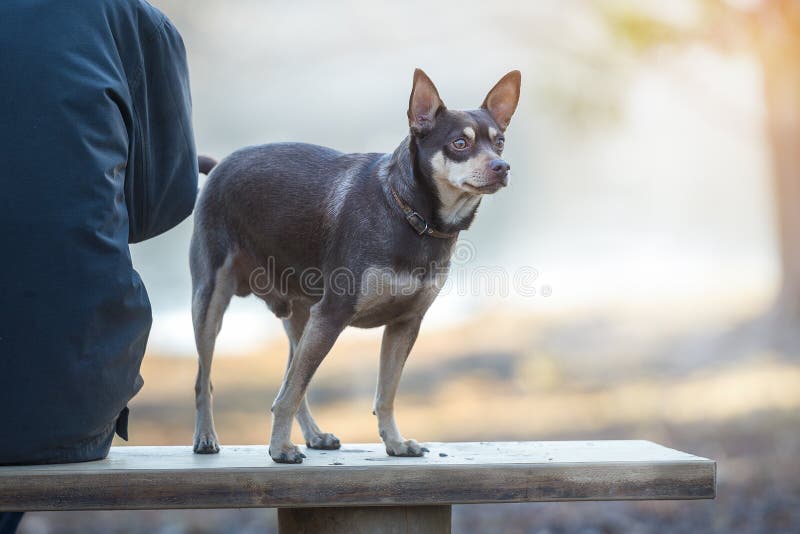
[[418, 222]]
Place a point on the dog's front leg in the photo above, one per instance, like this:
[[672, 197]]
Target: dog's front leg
[[398, 338], [323, 327]]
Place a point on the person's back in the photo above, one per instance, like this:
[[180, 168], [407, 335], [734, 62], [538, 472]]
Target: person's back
[[96, 151]]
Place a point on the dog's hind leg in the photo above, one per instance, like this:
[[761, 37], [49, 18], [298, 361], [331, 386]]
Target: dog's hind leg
[[315, 438], [211, 295], [398, 338]]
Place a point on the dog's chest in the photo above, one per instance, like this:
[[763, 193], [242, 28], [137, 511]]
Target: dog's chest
[[386, 295]]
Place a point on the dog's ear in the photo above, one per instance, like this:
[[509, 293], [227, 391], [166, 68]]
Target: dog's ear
[[501, 102], [424, 103]]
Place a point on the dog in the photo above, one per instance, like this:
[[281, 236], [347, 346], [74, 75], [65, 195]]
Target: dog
[[330, 240]]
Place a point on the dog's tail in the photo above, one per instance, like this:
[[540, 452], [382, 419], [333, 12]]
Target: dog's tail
[[205, 164]]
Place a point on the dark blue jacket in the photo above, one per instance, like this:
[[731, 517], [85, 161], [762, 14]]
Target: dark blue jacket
[[96, 151]]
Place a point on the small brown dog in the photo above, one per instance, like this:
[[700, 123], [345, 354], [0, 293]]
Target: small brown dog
[[330, 240]]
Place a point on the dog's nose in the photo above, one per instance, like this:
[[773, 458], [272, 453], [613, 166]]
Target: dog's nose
[[499, 167]]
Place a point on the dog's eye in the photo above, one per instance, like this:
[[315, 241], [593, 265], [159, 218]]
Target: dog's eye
[[499, 143], [460, 143]]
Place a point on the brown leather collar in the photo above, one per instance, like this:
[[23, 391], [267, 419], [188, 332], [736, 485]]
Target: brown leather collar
[[417, 222]]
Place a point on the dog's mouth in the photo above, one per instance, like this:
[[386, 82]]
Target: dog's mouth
[[485, 189]]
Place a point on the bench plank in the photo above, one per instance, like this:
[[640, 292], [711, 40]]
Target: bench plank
[[362, 475]]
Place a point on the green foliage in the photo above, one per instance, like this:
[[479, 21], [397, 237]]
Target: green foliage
[[642, 31]]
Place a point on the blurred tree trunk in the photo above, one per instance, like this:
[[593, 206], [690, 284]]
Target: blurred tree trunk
[[771, 30], [779, 49]]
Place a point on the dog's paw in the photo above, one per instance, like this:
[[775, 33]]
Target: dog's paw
[[206, 444], [324, 441], [289, 454], [405, 448]]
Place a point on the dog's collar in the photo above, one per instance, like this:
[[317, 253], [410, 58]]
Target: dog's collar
[[417, 221]]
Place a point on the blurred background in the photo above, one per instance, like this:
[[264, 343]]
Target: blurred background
[[656, 173]]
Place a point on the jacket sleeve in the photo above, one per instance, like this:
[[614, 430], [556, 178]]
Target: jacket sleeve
[[161, 182]]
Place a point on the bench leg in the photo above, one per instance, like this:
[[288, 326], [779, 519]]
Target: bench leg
[[365, 519]]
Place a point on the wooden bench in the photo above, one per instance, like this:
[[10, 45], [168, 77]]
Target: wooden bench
[[359, 488]]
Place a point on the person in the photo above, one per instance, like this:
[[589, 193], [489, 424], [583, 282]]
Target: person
[[96, 152]]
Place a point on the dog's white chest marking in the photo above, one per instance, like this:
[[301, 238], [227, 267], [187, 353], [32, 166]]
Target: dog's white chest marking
[[382, 289]]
